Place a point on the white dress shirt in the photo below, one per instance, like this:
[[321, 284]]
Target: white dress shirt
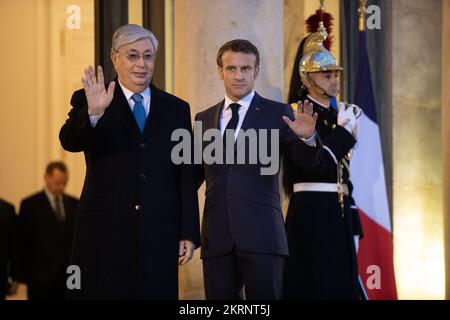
[[146, 102], [226, 114]]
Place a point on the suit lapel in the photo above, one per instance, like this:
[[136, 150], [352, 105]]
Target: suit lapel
[[213, 121], [46, 202], [253, 112], [158, 108], [67, 211], [210, 120], [50, 214], [121, 108]]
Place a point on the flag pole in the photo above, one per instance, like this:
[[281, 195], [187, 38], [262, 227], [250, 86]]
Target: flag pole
[[362, 15], [344, 55], [361, 27]]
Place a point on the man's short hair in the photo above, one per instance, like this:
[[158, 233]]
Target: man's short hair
[[130, 33], [55, 165], [238, 45]]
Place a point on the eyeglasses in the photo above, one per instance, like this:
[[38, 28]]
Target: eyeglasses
[[134, 57]]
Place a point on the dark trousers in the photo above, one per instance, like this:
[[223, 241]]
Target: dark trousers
[[261, 274]]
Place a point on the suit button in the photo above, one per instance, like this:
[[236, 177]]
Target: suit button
[[137, 207], [142, 145], [143, 176]]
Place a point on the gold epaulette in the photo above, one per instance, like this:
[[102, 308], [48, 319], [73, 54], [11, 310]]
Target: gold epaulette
[[294, 106]]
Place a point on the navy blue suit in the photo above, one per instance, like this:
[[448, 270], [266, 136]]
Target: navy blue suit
[[242, 214]]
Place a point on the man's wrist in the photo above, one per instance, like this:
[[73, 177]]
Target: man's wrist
[[94, 119], [94, 114], [311, 141]]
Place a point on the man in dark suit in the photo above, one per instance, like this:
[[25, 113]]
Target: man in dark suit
[[8, 249], [243, 235], [46, 223], [138, 216]]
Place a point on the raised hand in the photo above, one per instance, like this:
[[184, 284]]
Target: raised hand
[[304, 123], [97, 97]]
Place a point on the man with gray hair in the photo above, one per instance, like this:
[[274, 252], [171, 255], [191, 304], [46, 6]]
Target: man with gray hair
[[138, 215]]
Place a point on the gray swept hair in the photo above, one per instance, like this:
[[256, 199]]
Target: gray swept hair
[[130, 33]]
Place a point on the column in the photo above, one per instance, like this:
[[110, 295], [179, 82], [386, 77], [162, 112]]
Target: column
[[417, 161]]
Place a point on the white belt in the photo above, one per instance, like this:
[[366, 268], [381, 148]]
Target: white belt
[[320, 187]]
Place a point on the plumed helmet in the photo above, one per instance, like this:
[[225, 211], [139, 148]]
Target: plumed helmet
[[316, 57]]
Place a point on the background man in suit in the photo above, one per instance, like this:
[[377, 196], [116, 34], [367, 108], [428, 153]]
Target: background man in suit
[[8, 249], [243, 235], [138, 210], [46, 223]]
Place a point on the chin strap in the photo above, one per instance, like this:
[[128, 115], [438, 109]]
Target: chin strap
[[321, 90]]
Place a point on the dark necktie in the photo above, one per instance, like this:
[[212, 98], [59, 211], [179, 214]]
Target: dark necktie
[[232, 124], [139, 111], [58, 209]]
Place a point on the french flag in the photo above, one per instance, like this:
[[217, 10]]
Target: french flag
[[375, 254]]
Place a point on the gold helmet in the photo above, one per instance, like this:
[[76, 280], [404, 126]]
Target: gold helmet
[[316, 57]]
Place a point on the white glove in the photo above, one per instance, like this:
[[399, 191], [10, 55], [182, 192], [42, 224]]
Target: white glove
[[348, 115], [356, 240]]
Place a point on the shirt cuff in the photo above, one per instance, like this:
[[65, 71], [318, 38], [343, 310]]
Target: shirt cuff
[[311, 141], [94, 119]]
